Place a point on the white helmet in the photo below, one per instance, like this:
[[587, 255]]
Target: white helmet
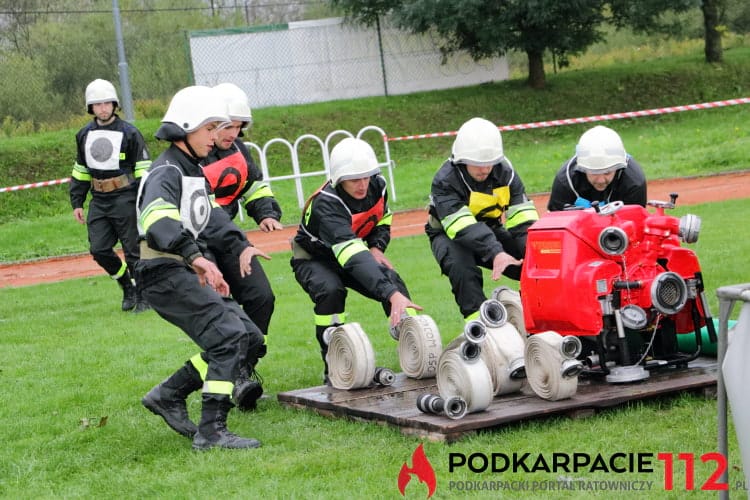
[[352, 159], [100, 91], [600, 151], [478, 142], [190, 109], [237, 103]]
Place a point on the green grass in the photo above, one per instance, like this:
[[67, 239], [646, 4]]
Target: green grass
[[688, 143], [70, 356]]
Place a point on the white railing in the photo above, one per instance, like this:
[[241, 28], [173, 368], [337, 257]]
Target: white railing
[[297, 174]]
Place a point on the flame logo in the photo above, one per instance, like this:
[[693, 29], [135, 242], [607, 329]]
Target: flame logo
[[422, 468]]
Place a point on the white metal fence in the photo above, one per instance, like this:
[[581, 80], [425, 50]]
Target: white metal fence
[[324, 60], [385, 163]]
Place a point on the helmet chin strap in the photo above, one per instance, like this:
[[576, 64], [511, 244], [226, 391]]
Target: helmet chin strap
[[108, 120], [191, 150]]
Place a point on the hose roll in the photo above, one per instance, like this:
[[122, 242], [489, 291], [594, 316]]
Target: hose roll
[[419, 346], [552, 375], [511, 300], [471, 381], [351, 359], [503, 353]]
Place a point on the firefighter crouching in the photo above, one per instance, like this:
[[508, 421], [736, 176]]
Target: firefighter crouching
[[600, 171], [342, 239], [177, 224], [479, 214]]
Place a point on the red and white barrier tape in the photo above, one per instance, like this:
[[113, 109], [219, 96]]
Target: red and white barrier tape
[[505, 128], [595, 118], [34, 185]]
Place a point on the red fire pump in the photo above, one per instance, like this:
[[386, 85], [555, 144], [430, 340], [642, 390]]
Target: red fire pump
[[617, 278]]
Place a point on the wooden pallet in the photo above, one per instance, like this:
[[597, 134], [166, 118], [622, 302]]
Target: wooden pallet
[[396, 404]]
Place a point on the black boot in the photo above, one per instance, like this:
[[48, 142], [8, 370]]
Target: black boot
[[213, 432], [140, 303], [168, 399], [129, 295], [247, 390]]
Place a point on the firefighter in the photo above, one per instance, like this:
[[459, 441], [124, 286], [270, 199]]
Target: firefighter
[[600, 171], [236, 180], [178, 227], [111, 158], [342, 239], [479, 214]]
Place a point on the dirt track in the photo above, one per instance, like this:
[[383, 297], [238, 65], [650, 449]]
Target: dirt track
[[691, 191]]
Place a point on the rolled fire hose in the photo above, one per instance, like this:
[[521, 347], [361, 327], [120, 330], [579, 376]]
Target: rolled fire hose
[[511, 299], [551, 367], [462, 373], [351, 359], [503, 353], [419, 346]]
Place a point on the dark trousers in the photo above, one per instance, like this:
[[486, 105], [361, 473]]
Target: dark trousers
[[217, 325], [253, 292], [108, 221], [326, 284], [462, 267]]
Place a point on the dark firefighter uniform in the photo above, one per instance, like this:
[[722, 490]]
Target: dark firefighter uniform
[[466, 228], [331, 252], [177, 224], [571, 188], [234, 178], [110, 162]]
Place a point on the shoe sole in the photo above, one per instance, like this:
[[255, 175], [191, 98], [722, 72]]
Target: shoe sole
[[205, 445]]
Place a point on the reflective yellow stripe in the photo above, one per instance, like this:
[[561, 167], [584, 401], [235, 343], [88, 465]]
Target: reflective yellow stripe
[[520, 214], [455, 222], [348, 249], [140, 168], [122, 156], [259, 190], [472, 316], [121, 272], [308, 213], [330, 319], [387, 220], [218, 387], [200, 365], [157, 210], [80, 173]]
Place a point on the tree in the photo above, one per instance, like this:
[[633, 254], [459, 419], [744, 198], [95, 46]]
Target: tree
[[647, 16], [711, 24], [488, 28]]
